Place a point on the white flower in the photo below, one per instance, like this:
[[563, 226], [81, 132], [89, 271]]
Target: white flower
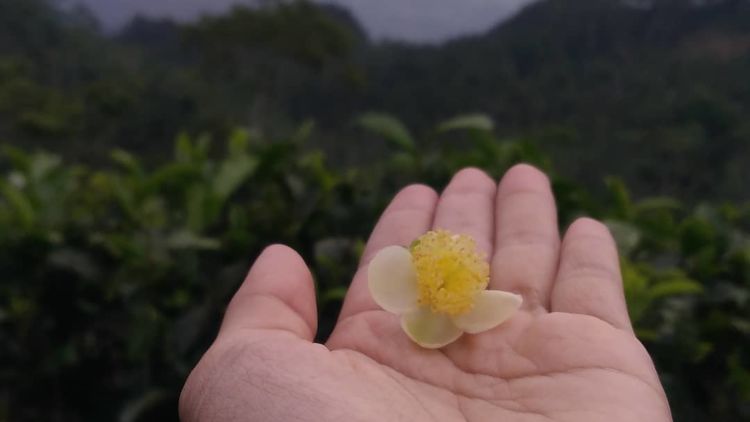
[[438, 288]]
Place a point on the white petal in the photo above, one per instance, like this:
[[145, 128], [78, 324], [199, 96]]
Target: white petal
[[393, 280], [491, 308], [428, 329]]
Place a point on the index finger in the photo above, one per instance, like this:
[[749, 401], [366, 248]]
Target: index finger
[[526, 236], [407, 217]]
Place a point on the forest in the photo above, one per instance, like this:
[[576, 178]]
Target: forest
[[141, 172]]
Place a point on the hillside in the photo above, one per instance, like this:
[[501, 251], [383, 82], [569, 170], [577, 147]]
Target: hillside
[[593, 79], [589, 81]]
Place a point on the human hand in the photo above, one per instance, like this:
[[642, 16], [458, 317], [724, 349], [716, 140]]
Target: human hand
[[569, 354]]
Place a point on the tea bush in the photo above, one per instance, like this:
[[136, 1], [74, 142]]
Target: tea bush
[[114, 279]]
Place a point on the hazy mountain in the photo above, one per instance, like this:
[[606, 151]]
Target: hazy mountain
[[414, 20]]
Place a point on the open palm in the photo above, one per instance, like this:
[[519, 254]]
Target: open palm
[[569, 355]]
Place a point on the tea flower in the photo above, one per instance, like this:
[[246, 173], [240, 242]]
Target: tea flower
[[437, 286]]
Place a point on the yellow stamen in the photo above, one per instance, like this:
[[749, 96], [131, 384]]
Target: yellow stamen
[[450, 271]]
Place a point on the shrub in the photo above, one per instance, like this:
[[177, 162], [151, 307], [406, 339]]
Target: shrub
[[115, 279]]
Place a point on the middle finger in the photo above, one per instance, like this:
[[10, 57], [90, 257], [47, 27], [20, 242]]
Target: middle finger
[[467, 206], [527, 240]]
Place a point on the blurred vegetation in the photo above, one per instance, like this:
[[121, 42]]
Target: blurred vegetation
[[142, 172]]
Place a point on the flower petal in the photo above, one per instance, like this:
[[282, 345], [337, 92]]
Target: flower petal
[[491, 308], [393, 281], [428, 329]]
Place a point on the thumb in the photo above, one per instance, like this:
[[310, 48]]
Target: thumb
[[277, 294]]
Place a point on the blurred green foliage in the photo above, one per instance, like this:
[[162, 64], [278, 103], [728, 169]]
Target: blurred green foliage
[[120, 250], [115, 280]]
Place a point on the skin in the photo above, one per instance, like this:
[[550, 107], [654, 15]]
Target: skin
[[568, 355]]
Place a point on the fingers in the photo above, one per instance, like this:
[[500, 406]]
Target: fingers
[[277, 294], [526, 236], [467, 206], [589, 280], [408, 216]]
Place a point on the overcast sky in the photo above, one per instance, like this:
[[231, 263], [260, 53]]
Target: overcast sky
[[413, 20]]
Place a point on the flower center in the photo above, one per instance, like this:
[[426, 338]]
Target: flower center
[[450, 271]]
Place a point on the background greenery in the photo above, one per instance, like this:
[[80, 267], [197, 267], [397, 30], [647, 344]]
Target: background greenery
[[143, 171]]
